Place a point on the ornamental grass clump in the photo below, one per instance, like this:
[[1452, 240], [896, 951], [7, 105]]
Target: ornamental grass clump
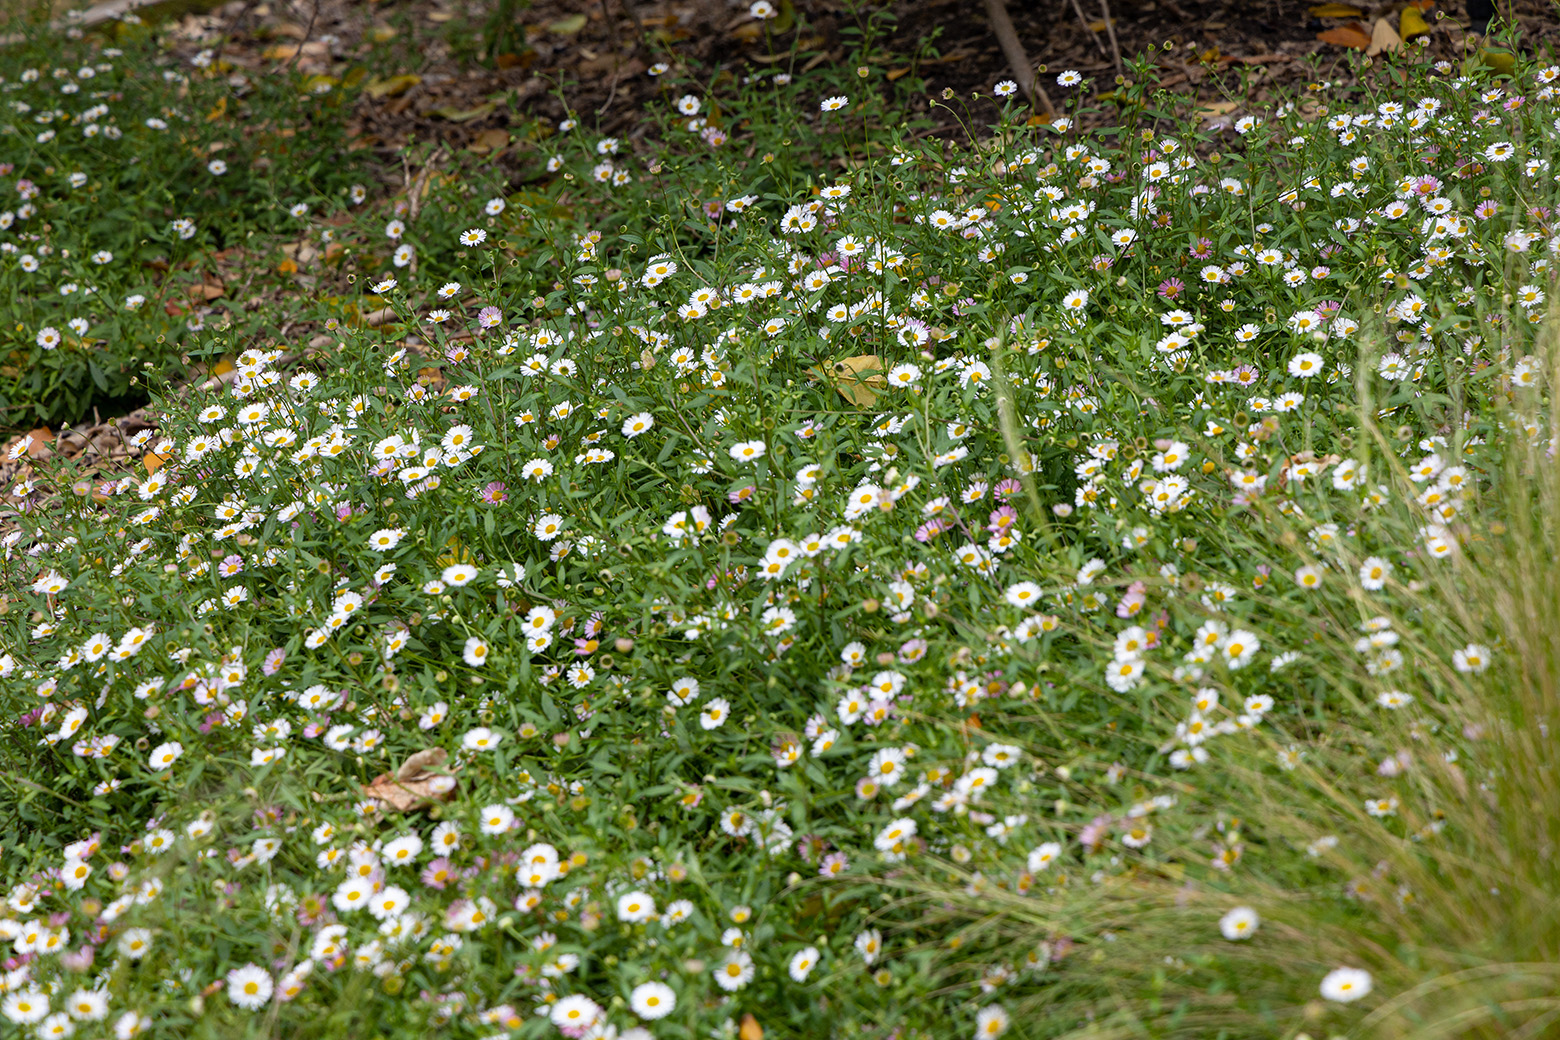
[[635, 651], [1384, 868]]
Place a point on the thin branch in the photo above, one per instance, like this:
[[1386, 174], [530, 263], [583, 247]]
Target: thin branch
[[1110, 30], [1018, 61], [1083, 21]]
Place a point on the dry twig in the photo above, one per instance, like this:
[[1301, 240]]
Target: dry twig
[[1018, 61], [1084, 21], [1110, 30]]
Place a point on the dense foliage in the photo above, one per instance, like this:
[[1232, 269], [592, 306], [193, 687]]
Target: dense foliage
[[629, 658], [122, 173]]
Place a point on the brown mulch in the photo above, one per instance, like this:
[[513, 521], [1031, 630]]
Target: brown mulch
[[596, 53]]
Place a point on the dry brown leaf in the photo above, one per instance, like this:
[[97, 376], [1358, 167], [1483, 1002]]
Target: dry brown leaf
[[208, 290], [510, 60], [42, 439], [1383, 38], [894, 74], [1335, 11], [417, 783], [859, 379], [490, 141], [1345, 36], [951, 56], [289, 51]]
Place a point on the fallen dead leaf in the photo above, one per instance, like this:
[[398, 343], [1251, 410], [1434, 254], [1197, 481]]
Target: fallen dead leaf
[[820, 58], [457, 115], [490, 141], [41, 440], [289, 51], [1345, 36], [1500, 61], [304, 252], [392, 86], [1383, 39], [1335, 11], [859, 379], [567, 26], [510, 60], [951, 56], [458, 553], [417, 783], [208, 290], [1411, 23]]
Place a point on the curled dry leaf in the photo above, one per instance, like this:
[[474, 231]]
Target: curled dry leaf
[[419, 782]]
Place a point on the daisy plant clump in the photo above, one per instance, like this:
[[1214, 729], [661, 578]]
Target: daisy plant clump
[[616, 657], [125, 164]]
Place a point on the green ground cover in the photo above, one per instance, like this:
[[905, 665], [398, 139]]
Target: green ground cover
[[800, 580]]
